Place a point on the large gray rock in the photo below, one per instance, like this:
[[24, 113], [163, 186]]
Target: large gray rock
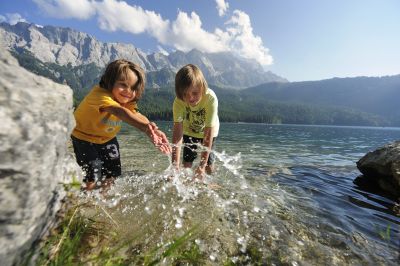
[[382, 166], [36, 121]]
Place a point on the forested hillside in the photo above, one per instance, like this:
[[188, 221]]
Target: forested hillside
[[237, 106], [376, 95]]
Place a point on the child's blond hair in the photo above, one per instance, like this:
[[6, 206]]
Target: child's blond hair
[[187, 76], [118, 70]]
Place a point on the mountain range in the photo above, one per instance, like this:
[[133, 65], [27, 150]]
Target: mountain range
[[71, 48], [245, 90]]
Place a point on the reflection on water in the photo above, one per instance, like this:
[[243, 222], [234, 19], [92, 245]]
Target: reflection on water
[[285, 191]]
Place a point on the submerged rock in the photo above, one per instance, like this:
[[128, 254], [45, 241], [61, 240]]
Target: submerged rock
[[382, 167], [36, 121]]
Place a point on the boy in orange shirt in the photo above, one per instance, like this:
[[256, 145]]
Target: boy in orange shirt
[[99, 117]]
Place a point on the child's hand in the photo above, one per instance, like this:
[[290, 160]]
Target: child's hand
[[158, 138], [162, 143]]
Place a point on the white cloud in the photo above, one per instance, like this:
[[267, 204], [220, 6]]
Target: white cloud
[[187, 33], [12, 18], [242, 39], [114, 15], [222, 7], [80, 9], [184, 33]]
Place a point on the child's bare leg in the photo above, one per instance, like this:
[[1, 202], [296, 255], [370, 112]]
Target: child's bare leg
[[187, 164], [210, 169]]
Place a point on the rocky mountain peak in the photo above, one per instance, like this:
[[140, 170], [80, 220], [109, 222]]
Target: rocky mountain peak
[[66, 46]]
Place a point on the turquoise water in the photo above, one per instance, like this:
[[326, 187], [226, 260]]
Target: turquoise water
[[285, 190]]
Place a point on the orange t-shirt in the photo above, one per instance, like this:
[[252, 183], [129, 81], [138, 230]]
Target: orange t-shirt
[[95, 126]]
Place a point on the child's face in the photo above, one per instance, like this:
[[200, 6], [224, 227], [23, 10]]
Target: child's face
[[122, 90], [192, 96]]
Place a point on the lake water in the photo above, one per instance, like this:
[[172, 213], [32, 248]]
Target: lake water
[[286, 195]]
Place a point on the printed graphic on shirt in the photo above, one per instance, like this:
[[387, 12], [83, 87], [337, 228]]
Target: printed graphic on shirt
[[196, 119], [111, 123]]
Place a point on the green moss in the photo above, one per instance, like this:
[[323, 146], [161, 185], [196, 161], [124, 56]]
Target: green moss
[[74, 184]]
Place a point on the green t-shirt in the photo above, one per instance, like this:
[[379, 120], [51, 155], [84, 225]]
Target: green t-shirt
[[195, 119]]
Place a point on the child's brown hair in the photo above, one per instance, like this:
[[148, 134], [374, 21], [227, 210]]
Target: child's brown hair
[[187, 76], [118, 70]]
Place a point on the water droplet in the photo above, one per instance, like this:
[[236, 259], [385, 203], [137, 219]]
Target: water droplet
[[178, 224], [147, 209], [181, 211]]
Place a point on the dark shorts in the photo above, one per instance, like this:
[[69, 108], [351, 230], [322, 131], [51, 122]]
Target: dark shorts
[[190, 149], [99, 161]]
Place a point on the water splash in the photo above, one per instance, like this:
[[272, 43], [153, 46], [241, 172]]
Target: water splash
[[244, 213]]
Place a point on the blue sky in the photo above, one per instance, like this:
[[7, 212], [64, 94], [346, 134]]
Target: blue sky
[[296, 39]]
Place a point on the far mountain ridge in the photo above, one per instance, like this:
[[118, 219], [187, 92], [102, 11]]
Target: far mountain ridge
[[69, 47], [378, 95]]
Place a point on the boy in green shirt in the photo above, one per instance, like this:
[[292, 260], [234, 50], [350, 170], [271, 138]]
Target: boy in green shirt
[[195, 113]]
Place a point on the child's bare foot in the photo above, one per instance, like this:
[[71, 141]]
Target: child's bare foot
[[89, 186], [170, 178], [199, 181], [107, 183], [214, 186]]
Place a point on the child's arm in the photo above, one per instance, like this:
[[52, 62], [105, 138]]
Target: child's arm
[[142, 123], [177, 142], [207, 143]]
